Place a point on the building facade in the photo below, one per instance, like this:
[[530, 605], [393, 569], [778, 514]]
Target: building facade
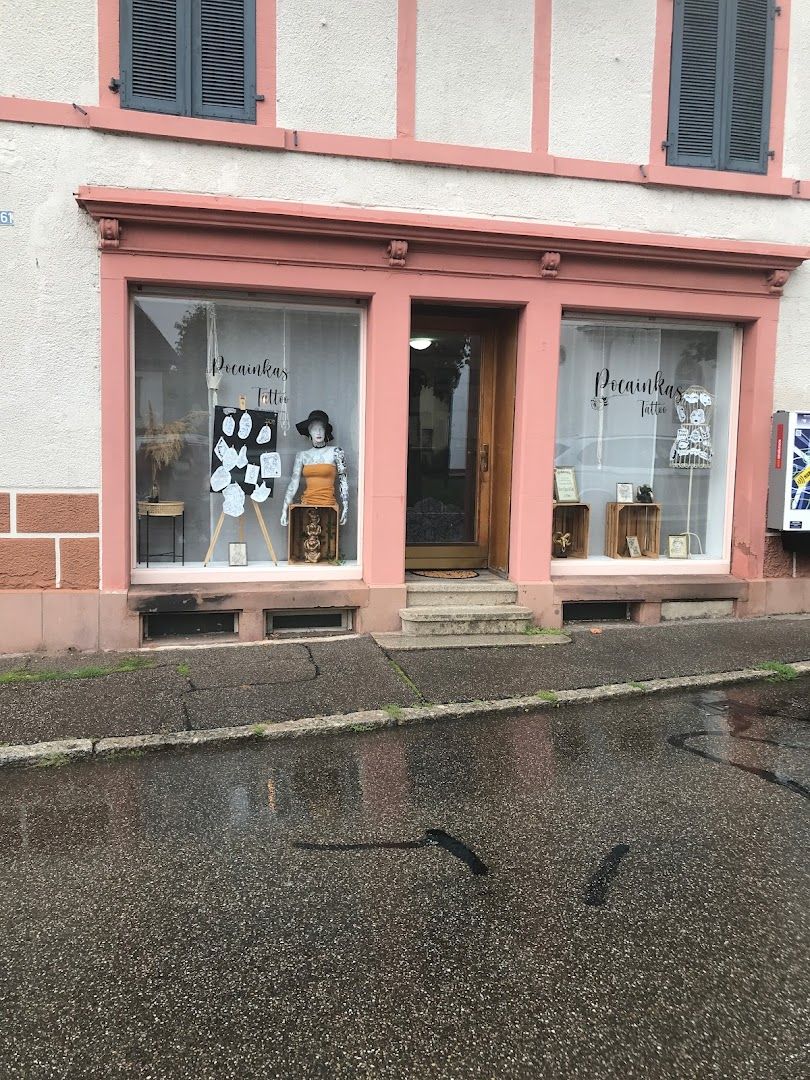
[[540, 263]]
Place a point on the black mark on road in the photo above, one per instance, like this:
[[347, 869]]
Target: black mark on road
[[680, 743], [437, 837], [600, 880]]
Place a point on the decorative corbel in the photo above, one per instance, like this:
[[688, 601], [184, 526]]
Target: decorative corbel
[[550, 264], [777, 280], [397, 252], [109, 233]]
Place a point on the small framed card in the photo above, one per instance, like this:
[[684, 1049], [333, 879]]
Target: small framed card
[[565, 485], [678, 545], [633, 547], [624, 493], [237, 555]]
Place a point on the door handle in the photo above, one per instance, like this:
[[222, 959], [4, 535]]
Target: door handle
[[485, 458]]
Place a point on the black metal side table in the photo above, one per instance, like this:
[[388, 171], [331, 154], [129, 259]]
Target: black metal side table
[[174, 511]]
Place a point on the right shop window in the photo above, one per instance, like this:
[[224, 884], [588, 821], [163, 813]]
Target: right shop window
[[644, 424]]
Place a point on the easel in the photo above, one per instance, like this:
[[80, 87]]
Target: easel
[[259, 518]]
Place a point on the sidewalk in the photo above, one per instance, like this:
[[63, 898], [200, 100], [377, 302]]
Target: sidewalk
[[98, 696]]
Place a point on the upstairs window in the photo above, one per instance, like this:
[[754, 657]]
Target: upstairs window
[[189, 57], [720, 91]]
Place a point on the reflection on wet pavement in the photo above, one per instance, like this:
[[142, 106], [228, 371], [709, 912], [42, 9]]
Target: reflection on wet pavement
[[645, 914]]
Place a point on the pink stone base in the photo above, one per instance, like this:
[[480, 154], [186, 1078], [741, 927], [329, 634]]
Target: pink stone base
[[381, 614], [539, 596]]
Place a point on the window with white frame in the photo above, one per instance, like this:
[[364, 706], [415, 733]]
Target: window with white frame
[[643, 450], [220, 387]]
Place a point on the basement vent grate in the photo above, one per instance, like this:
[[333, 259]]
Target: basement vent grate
[[312, 621], [188, 624], [596, 611]]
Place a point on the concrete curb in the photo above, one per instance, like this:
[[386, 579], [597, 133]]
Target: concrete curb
[[62, 751]]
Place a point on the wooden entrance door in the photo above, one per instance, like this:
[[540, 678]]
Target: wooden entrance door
[[450, 442]]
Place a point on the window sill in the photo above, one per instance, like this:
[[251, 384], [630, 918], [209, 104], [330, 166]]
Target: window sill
[[257, 572], [603, 566], [718, 180]]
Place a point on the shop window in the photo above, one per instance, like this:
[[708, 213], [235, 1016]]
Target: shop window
[[189, 57], [225, 440], [643, 441], [720, 92]]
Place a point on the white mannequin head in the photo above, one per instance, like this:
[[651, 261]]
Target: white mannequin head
[[317, 433]]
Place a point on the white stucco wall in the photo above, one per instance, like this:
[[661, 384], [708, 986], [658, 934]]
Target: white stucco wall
[[797, 112], [49, 330], [474, 72], [49, 51], [337, 66], [601, 79]]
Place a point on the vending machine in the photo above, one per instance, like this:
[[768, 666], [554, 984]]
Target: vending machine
[[789, 483]]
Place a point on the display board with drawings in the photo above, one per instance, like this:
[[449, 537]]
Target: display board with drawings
[[244, 460]]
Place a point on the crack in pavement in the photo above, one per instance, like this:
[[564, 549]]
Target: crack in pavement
[[680, 743]]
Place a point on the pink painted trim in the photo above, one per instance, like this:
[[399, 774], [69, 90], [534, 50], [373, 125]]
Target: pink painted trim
[[541, 90], [116, 433], [266, 44], [406, 69], [207, 210], [109, 60], [659, 172]]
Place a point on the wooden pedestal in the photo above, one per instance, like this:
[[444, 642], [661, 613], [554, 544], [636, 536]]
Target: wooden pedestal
[[573, 518], [302, 544], [642, 520]]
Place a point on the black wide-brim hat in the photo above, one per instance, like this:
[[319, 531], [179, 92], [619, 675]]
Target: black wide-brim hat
[[317, 414]]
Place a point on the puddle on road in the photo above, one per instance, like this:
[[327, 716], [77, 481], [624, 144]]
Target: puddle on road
[[432, 837]]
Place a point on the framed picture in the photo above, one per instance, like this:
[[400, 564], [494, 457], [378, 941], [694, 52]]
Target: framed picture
[[565, 485], [237, 555], [678, 545], [624, 493], [633, 547]]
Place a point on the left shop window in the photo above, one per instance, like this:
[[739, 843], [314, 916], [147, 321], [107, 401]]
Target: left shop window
[[246, 416]]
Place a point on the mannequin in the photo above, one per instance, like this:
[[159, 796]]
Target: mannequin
[[320, 467]]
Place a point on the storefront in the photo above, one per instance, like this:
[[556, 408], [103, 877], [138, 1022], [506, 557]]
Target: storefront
[[584, 412]]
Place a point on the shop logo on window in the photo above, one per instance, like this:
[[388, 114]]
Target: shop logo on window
[[650, 391]]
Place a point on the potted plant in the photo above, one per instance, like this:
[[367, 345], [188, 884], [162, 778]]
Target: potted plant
[[163, 444]]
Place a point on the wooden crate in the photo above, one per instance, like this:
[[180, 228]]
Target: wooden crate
[[297, 535], [572, 518], [632, 519]]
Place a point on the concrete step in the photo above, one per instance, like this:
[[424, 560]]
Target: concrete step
[[409, 642], [463, 593], [473, 619]]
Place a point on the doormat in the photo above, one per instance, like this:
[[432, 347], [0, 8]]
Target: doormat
[[445, 573]]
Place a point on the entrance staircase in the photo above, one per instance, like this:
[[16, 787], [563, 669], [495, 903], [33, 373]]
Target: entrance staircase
[[461, 613]]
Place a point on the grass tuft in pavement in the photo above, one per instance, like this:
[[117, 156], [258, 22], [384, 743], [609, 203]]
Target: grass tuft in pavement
[[779, 672], [134, 663], [546, 695]]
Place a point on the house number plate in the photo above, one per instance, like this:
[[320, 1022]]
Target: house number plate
[[6, 217]]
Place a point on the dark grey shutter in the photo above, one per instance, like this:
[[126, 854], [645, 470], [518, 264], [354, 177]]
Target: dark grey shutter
[[154, 51], [751, 68], [224, 60], [720, 89], [695, 101]]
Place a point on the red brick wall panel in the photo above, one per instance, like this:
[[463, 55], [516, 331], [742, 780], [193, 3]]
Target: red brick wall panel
[[78, 560], [57, 512], [5, 511], [27, 563]]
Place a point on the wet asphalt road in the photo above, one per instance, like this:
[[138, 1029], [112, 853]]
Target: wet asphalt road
[[645, 910]]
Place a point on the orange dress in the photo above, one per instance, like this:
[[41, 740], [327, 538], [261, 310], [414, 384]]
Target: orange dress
[[320, 485]]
